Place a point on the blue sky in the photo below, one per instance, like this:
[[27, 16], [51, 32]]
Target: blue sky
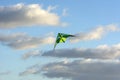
[[28, 29]]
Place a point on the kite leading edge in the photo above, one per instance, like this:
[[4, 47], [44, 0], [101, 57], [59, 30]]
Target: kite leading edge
[[61, 38]]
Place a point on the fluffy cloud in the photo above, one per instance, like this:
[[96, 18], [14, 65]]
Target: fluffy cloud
[[27, 15], [31, 53], [100, 52], [97, 33], [35, 69], [86, 69], [24, 41]]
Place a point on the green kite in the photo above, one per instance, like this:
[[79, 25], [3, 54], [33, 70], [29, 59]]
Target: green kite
[[61, 38]]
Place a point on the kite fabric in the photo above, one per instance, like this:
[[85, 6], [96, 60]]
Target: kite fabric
[[61, 38]]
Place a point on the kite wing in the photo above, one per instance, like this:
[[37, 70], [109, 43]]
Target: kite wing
[[61, 38]]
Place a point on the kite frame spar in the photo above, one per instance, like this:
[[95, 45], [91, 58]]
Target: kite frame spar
[[61, 38]]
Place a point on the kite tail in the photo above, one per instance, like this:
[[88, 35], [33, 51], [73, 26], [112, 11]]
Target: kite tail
[[54, 46]]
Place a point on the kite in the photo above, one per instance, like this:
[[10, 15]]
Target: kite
[[61, 38]]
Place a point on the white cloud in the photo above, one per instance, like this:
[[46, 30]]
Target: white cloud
[[65, 12], [97, 33], [31, 53], [100, 52], [27, 15], [24, 41], [50, 8], [85, 69], [31, 70]]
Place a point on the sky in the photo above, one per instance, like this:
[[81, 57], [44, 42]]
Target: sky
[[28, 30]]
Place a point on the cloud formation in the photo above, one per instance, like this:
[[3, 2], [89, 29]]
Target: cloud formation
[[65, 12], [20, 15], [31, 54], [35, 69], [95, 34], [86, 69], [100, 52], [24, 41]]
